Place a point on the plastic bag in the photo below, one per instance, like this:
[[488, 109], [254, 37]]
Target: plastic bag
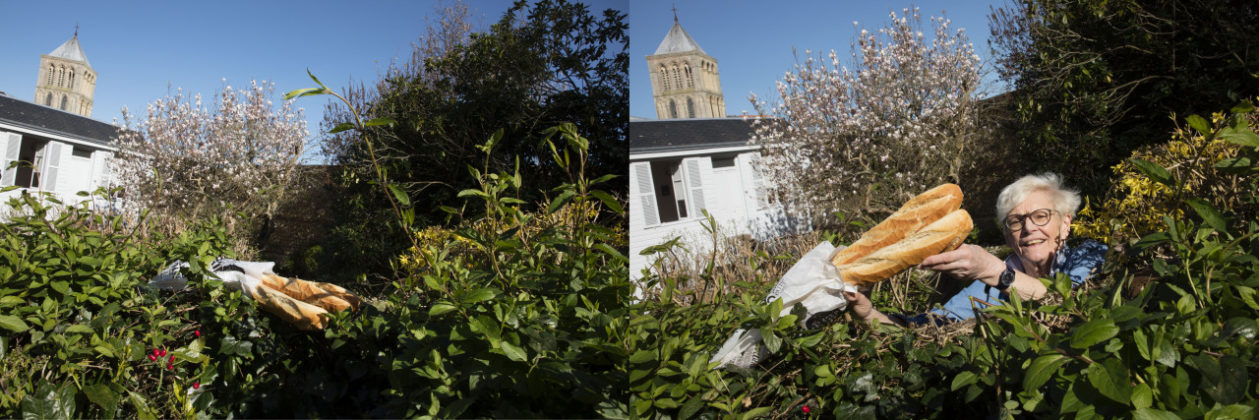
[[814, 283]]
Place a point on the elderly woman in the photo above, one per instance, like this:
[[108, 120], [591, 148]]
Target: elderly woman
[[1036, 219]]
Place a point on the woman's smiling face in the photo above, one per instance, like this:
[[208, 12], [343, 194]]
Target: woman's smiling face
[[1036, 244]]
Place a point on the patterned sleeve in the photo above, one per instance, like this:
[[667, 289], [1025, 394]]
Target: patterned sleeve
[[1083, 261]]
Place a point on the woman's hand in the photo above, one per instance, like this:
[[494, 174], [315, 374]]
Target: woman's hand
[[862, 309], [965, 263]]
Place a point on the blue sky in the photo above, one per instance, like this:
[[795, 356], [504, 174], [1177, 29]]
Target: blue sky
[[143, 50], [752, 40]]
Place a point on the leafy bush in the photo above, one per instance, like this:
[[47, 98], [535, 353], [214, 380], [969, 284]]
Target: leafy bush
[[1182, 347], [1210, 169]]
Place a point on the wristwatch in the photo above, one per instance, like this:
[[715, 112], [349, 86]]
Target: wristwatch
[[1006, 279]]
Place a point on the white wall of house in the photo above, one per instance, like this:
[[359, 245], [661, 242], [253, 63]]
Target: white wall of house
[[64, 166], [727, 183]]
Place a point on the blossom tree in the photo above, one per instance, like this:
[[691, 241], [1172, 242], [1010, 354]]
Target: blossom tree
[[866, 137], [187, 159]]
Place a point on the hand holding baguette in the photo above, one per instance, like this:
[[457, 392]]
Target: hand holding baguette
[[927, 224]]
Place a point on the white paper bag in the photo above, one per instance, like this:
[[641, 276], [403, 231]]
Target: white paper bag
[[813, 282]]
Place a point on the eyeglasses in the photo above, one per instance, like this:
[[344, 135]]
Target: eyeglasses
[[1039, 218]]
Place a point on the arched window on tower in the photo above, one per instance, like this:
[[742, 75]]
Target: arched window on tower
[[63, 102], [673, 109], [61, 76], [677, 77], [690, 108], [664, 78], [51, 71], [690, 80], [71, 78], [48, 99]]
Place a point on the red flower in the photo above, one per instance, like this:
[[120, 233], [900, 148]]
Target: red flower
[[196, 385], [805, 409], [172, 358], [197, 333], [159, 352], [152, 358], [170, 366]]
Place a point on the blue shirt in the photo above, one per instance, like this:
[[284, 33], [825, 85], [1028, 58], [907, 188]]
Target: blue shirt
[[1078, 263]]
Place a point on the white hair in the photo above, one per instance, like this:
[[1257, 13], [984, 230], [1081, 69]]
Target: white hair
[[1066, 201]]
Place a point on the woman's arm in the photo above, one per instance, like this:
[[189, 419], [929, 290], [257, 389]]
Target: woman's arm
[[974, 262]]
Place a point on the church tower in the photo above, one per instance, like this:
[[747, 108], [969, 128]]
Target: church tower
[[684, 79], [66, 80]]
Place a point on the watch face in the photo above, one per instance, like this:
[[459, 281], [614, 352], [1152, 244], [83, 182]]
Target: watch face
[[1007, 278]]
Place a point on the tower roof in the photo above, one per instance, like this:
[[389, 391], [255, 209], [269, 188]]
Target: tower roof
[[71, 50], [677, 41]]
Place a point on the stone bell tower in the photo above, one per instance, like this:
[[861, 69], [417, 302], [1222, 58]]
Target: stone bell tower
[[66, 80], [684, 80]]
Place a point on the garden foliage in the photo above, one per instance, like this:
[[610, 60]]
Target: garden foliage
[[514, 314], [541, 64], [1095, 80], [1181, 347]]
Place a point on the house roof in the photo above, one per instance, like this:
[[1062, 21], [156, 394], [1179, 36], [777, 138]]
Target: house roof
[[71, 50], [677, 40], [689, 134], [54, 121]]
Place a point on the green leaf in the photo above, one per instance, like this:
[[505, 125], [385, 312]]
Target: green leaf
[[1153, 170], [607, 200], [1040, 370], [559, 201], [1243, 137], [514, 352], [691, 407], [400, 195], [1199, 124], [379, 121], [8, 301], [345, 126], [1093, 332], [79, 328], [1208, 214], [611, 252], [1233, 163], [478, 295], [772, 341], [440, 308], [963, 379], [305, 92], [642, 356], [13, 323], [49, 402], [1110, 379], [103, 396], [1153, 414]]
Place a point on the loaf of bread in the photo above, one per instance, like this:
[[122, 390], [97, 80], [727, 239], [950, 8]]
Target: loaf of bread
[[944, 234], [327, 296], [912, 216], [300, 314]]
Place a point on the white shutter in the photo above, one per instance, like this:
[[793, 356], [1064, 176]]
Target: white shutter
[[98, 170], [11, 145], [694, 186], [758, 182], [646, 192], [52, 158]]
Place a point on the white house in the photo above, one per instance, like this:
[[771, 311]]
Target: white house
[[58, 151], [679, 168]]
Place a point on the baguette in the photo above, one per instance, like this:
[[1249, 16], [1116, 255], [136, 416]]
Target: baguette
[[300, 314], [327, 296], [912, 216], [944, 234]]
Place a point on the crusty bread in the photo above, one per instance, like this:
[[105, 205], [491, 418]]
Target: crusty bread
[[944, 234], [323, 295], [300, 314], [912, 216]]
